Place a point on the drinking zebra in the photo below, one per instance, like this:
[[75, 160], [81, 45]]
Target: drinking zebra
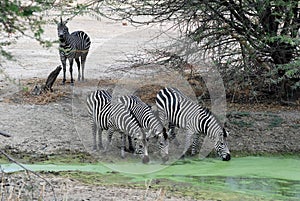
[[116, 117], [148, 121], [72, 46], [182, 112]]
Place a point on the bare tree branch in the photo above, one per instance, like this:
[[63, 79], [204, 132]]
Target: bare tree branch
[[28, 170]]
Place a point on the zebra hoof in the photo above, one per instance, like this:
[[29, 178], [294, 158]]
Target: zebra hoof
[[146, 159]]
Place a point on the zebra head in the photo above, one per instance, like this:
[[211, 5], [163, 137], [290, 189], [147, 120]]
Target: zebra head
[[159, 133], [222, 147], [140, 141], [141, 149], [164, 145], [62, 30]]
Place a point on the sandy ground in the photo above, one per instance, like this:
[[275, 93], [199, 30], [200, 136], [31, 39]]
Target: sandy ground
[[63, 126], [57, 127]]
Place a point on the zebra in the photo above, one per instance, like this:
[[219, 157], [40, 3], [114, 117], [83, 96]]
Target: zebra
[[182, 112], [72, 46], [115, 117], [96, 101], [148, 121]]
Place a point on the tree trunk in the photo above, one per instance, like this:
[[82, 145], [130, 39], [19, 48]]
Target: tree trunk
[[5, 134], [49, 83], [51, 79]]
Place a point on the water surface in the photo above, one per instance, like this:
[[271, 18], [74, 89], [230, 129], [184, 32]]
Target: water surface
[[266, 177]]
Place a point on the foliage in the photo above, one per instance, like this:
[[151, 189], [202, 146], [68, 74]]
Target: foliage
[[18, 18], [246, 40]]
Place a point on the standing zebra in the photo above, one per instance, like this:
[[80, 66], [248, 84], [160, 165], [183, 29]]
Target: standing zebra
[[182, 112], [116, 117], [148, 121], [72, 46]]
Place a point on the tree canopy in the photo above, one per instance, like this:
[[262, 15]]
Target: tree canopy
[[249, 40], [19, 18]]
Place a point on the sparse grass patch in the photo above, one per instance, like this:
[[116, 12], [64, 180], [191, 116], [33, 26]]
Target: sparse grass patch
[[275, 121], [242, 123]]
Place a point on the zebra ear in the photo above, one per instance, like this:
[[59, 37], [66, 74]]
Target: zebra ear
[[225, 133], [67, 20], [61, 21]]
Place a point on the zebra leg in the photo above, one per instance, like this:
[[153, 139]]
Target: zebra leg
[[172, 135], [164, 146], [195, 144], [189, 135], [100, 144], [146, 158], [71, 70], [123, 145], [78, 66], [109, 137], [64, 63], [130, 145], [83, 59], [94, 129]]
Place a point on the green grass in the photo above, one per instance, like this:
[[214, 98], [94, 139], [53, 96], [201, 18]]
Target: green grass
[[242, 124], [276, 121]]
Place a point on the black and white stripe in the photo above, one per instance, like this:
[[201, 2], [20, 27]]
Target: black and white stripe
[[182, 112], [148, 121], [96, 102], [116, 117], [72, 46]]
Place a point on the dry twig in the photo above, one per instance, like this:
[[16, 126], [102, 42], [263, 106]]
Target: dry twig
[[28, 170]]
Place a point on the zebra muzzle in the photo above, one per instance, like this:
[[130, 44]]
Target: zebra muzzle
[[227, 157], [146, 159]]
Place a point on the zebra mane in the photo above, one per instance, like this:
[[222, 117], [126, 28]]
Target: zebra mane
[[137, 99], [208, 112], [225, 133], [134, 118]]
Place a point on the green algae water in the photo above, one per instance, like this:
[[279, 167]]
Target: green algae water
[[271, 178]]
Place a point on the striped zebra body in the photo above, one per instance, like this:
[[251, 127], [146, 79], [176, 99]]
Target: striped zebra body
[[148, 121], [72, 46], [182, 112], [116, 117]]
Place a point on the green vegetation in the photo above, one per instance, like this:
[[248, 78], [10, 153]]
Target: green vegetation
[[21, 18], [242, 123], [275, 121], [245, 178]]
